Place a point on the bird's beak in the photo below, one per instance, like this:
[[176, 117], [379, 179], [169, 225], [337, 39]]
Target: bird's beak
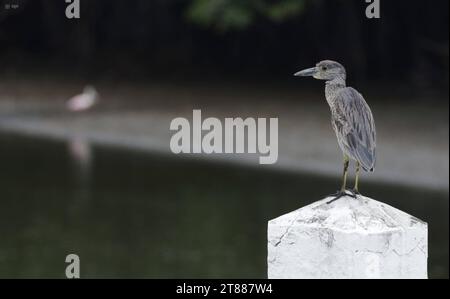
[[306, 73]]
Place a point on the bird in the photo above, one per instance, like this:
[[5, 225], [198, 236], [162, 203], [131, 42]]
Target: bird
[[84, 101], [351, 119]]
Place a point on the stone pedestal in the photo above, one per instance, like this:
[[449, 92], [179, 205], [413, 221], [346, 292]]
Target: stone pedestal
[[349, 238]]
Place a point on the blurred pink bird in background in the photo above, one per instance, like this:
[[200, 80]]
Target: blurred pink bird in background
[[83, 101]]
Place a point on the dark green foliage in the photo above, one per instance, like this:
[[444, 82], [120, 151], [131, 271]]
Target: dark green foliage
[[224, 15]]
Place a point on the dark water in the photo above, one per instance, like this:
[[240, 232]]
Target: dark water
[[131, 215]]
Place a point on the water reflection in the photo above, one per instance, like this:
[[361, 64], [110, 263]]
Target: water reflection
[[135, 215], [80, 151]]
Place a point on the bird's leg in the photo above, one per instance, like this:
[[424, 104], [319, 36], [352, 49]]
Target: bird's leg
[[344, 174], [356, 188], [341, 192]]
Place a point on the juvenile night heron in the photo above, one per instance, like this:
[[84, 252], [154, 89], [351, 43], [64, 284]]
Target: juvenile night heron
[[351, 119]]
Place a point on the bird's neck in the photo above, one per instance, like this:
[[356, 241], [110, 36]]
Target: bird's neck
[[332, 88]]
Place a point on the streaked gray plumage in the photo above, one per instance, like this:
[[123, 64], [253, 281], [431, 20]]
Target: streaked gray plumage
[[353, 124], [351, 117]]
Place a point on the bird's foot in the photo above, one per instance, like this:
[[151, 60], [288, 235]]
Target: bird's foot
[[355, 193], [341, 193]]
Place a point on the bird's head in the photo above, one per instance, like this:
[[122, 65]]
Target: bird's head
[[325, 70]]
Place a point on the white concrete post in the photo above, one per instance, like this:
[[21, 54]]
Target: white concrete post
[[349, 238]]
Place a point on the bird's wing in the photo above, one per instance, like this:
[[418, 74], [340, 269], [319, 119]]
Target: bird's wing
[[356, 127]]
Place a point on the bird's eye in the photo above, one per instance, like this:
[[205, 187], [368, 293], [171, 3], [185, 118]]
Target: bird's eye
[[324, 68]]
